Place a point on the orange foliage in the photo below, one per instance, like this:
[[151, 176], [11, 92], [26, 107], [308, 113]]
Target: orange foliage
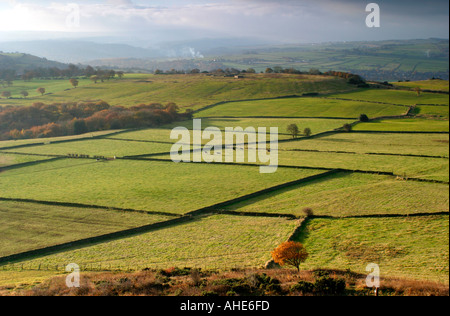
[[290, 253]]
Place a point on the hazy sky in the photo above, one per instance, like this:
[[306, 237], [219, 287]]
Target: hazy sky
[[290, 21]]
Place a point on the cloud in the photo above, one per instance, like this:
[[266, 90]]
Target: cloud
[[282, 20]]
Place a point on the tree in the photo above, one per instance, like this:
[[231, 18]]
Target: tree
[[293, 130], [6, 94], [79, 127], [95, 78], [269, 71], [418, 91], [348, 128], [24, 93], [74, 82], [307, 132], [290, 253], [363, 118], [41, 90]]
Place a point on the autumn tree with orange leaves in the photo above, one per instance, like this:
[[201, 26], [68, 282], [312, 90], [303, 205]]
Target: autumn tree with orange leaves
[[290, 253]]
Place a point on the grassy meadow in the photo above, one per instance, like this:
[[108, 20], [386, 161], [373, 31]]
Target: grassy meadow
[[405, 125], [352, 194], [7, 160], [360, 217], [188, 91], [435, 85], [381, 143], [400, 97], [52, 225], [143, 185], [303, 107], [414, 248], [225, 242]]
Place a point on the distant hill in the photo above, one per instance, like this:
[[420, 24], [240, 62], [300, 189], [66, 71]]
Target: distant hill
[[75, 51], [379, 61], [21, 62], [82, 51]]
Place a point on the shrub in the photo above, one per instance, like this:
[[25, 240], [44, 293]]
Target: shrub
[[321, 273], [348, 128], [363, 118], [209, 294], [308, 211], [328, 286], [264, 283], [303, 287], [307, 132], [196, 277]]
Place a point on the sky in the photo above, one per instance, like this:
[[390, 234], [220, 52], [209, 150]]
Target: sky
[[282, 21]]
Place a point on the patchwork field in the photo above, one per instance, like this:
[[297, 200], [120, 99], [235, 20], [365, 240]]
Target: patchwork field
[[192, 91], [435, 85], [413, 248], [304, 107], [52, 225], [394, 97], [376, 194], [405, 125], [351, 194], [143, 185], [226, 242]]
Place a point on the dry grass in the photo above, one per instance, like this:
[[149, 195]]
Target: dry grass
[[192, 282]]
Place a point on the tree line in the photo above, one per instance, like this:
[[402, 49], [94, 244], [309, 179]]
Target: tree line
[[63, 119], [7, 76]]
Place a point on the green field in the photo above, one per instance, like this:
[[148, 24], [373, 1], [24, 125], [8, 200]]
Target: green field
[[405, 125], [427, 168], [214, 242], [303, 107], [436, 85], [385, 60], [384, 143], [355, 204], [403, 166], [353, 194], [193, 91], [11, 159], [53, 225], [143, 185], [413, 248], [407, 98], [96, 147], [38, 141], [432, 111]]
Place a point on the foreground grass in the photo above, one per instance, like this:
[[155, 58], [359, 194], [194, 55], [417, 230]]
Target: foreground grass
[[412, 247], [215, 242], [243, 282], [28, 226]]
